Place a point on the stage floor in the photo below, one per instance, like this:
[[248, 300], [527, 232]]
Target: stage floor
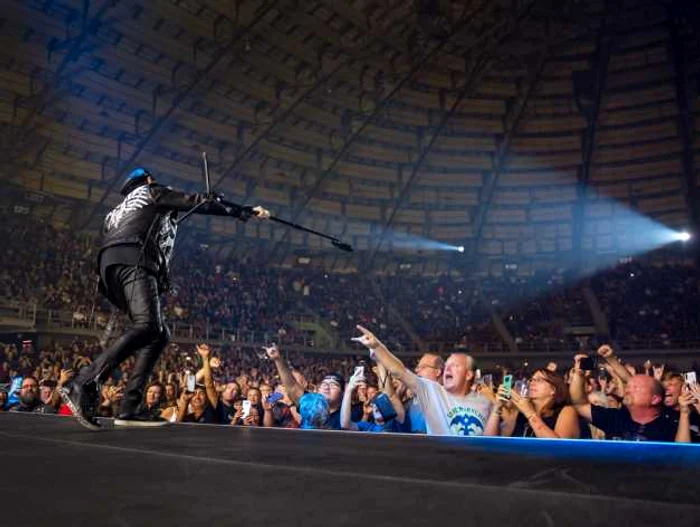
[[57, 473]]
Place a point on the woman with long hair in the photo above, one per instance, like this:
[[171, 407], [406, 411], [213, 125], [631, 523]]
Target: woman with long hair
[[545, 412]]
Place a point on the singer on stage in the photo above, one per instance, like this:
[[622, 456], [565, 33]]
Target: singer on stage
[[133, 265]]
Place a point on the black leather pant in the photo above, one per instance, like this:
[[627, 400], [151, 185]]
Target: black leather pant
[[135, 292]]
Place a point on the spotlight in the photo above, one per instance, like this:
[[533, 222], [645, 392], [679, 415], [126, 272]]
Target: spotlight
[[684, 236], [460, 249]]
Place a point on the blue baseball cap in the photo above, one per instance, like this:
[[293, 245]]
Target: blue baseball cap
[[134, 176]]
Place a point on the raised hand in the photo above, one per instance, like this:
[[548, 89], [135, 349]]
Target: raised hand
[[273, 352], [252, 419], [66, 375], [266, 404], [659, 372], [686, 400], [502, 399], [237, 416], [486, 391], [694, 390], [367, 339], [577, 361], [605, 351], [203, 351], [523, 404], [215, 363]]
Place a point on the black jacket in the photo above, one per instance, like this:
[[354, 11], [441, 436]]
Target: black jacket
[[147, 218]]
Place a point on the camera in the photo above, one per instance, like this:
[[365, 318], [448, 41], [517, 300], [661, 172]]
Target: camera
[[589, 363]]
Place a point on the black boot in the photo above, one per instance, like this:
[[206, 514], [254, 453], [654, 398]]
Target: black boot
[[82, 399]]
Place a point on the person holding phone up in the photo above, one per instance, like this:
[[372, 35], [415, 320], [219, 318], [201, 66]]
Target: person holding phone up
[[641, 417], [197, 404], [543, 412], [387, 409]]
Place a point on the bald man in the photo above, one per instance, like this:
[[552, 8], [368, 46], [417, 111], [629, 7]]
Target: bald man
[[449, 409], [641, 417]]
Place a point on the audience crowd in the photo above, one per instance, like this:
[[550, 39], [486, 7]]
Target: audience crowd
[[596, 396]]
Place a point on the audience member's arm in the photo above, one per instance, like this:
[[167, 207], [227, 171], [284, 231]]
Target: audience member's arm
[[65, 376], [182, 405], [212, 395], [695, 390], [493, 424], [685, 401], [268, 416], [386, 385], [345, 407], [607, 353], [659, 372], [295, 414], [382, 355], [501, 421], [294, 389], [577, 390]]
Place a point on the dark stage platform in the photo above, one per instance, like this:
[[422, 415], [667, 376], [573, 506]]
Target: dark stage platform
[[56, 473]]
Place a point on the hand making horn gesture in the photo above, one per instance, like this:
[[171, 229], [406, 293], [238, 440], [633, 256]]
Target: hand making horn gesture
[[273, 352]]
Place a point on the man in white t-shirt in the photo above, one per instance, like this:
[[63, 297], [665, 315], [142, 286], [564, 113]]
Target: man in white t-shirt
[[450, 409]]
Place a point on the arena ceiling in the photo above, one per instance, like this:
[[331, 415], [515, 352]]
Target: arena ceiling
[[519, 129]]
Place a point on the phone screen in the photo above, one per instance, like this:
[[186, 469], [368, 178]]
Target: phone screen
[[191, 382], [508, 384], [246, 409]]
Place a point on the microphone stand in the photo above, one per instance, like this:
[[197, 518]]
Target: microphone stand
[[230, 207], [206, 182]]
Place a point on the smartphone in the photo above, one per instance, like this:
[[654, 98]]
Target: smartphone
[[191, 382], [488, 380], [690, 378], [589, 363], [15, 387], [274, 397], [359, 372], [478, 374], [246, 409], [508, 384], [521, 388]]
